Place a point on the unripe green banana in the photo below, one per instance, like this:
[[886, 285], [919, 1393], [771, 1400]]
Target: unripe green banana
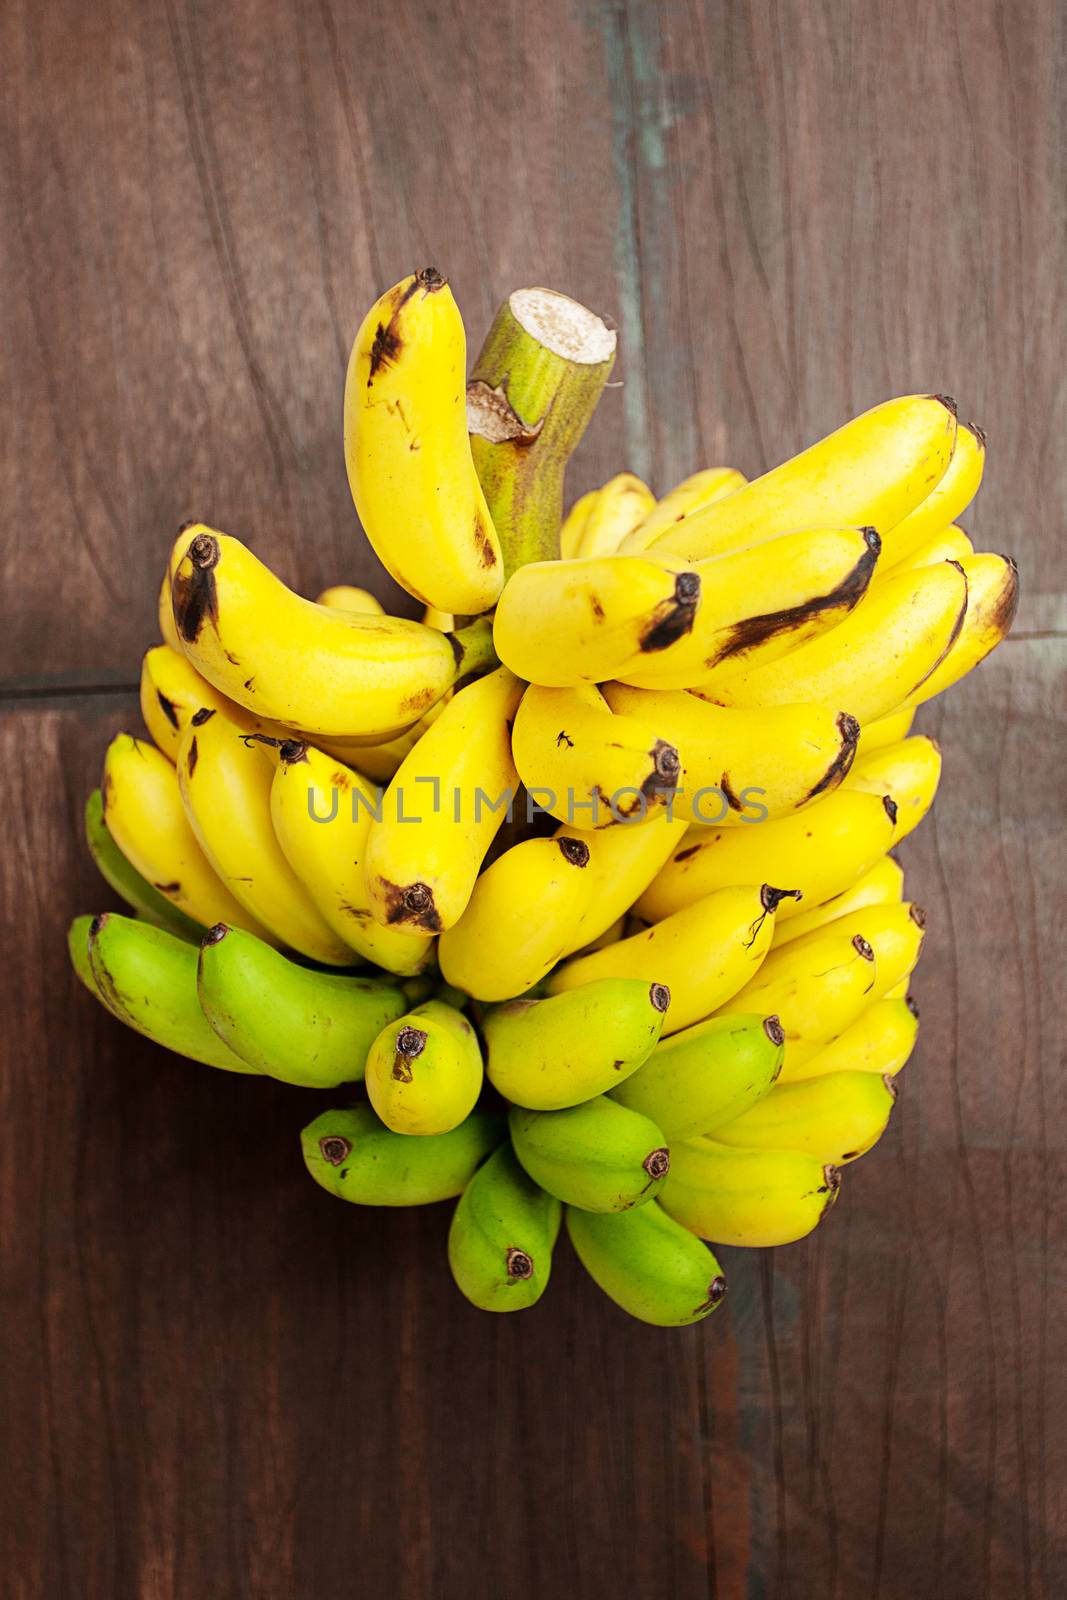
[[502, 1234], [127, 882], [707, 1074], [834, 1118], [755, 1198], [294, 1023], [548, 1054], [648, 1264], [424, 1071], [146, 977], [598, 1156], [353, 1155]]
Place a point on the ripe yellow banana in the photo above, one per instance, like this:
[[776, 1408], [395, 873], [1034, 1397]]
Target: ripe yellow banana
[[597, 523], [946, 501], [881, 1040], [881, 655], [585, 764], [408, 455], [883, 884], [564, 622], [316, 669], [885, 730], [743, 764], [701, 489], [443, 809], [833, 1118], [322, 812], [950, 544], [347, 597], [144, 815], [703, 954], [874, 471], [623, 862], [758, 604], [225, 779], [172, 690], [754, 1198], [895, 931], [992, 598], [820, 851], [909, 772]]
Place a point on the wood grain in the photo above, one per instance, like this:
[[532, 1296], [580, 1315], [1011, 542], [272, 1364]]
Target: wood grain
[[215, 1380]]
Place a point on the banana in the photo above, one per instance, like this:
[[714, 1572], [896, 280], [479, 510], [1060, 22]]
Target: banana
[[950, 544], [882, 884], [168, 628], [648, 1264], [598, 1156], [701, 489], [443, 809], [819, 851], [146, 977], [706, 1075], [816, 987], [886, 730], [992, 600], [753, 1198], [546, 1055], [127, 882], [321, 811], [353, 1156], [834, 1118], [502, 1234], [761, 603], [379, 762], [737, 764], [597, 524], [880, 1040], [524, 910], [290, 1022], [948, 499], [225, 781], [623, 862], [143, 813], [583, 762], [408, 455], [317, 670], [879, 656], [347, 597], [424, 1070], [909, 772], [895, 932], [172, 691], [873, 471]]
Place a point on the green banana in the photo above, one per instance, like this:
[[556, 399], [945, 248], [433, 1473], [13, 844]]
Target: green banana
[[424, 1070], [294, 1023], [146, 977], [648, 1264], [78, 949], [707, 1074], [549, 1054], [834, 1118], [350, 1153], [502, 1234], [127, 882], [598, 1156], [755, 1198]]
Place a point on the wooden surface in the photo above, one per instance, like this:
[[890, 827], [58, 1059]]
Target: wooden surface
[[215, 1380]]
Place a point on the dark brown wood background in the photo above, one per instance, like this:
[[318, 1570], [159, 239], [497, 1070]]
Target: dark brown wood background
[[216, 1381]]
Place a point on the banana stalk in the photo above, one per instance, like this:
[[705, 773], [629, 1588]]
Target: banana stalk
[[534, 387]]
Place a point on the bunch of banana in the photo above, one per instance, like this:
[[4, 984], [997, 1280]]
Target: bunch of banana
[[581, 888]]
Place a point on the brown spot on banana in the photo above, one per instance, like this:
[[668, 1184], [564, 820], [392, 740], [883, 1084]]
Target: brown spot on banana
[[168, 708], [575, 851], [947, 401], [728, 793], [1002, 612], [193, 756], [673, 618], [957, 629], [483, 543], [195, 596], [168, 888], [849, 730], [198, 718], [410, 1043], [412, 903], [387, 343]]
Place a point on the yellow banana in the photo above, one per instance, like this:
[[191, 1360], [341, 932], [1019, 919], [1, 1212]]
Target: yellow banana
[[623, 862], [742, 765], [144, 815], [599, 521], [950, 544], [408, 454], [874, 471], [564, 622], [895, 931], [443, 809], [583, 763], [880, 1040], [703, 954], [758, 604], [701, 489], [889, 729], [883, 884], [909, 772], [834, 1118], [882, 653], [316, 669], [820, 851], [172, 691], [946, 501], [322, 811], [225, 780], [754, 1198], [992, 598], [346, 597]]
